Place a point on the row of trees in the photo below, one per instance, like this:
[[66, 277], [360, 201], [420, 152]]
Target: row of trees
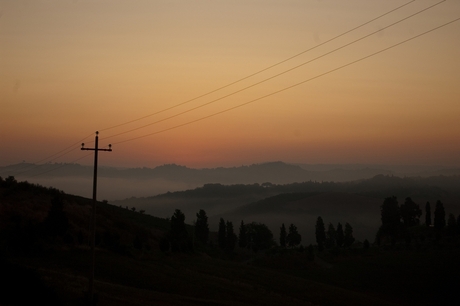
[[254, 236], [333, 237], [291, 239], [398, 219], [330, 239]]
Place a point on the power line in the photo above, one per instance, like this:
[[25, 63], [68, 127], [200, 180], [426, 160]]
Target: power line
[[56, 155], [292, 86], [250, 85], [64, 165], [277, 75], [260, 71]]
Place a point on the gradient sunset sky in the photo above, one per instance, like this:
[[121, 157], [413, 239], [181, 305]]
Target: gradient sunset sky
[[70, 68]]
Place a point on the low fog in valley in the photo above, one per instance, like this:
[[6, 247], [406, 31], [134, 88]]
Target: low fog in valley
[[338, 193]]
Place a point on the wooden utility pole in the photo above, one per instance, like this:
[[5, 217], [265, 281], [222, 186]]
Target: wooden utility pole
[[93, 214]]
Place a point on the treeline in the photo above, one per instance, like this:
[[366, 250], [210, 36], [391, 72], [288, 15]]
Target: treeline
[[402, 222], [12, 186], [252, 236]]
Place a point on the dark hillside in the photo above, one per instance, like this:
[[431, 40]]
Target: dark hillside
[[355, 202], [51, 266], [302, 209]]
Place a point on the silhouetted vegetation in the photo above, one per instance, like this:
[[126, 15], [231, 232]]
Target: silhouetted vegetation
[[178, 236], [283, 235], [331, 237], [222, 238], [242, 236], [439, 216], [339, 235], [410, 213], [47, 231], [428, 214], [259, 236], [348, 239], [320, 233], [293, 238], [390, 216], [202, 227], [230, 237]]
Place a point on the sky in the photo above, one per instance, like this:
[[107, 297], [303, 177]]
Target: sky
[[70, 68]]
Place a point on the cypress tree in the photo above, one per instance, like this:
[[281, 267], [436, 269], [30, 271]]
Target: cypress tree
[[293, 238], [202, 227], [222, 234], [339, 235], [179, 238], [390, 216], [283, 236], [439, 216], [458, 225], [243, 236], [349, 239], [331, 236], [451, 225], [320, 233], [230, 238], [428, 214]]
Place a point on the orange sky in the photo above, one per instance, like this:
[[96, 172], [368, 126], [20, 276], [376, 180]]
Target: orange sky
[[69, 68]]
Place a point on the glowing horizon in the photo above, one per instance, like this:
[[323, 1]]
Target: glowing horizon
[[71, 68]]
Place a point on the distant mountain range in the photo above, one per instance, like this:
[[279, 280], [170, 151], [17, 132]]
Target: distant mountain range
[[118, 183], [274, 172]]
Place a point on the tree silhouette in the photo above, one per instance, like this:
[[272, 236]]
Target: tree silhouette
[[283, 236], [259, 236], [410, 213], [331, 237], [458, 225], [242, 236], [339, 235], [202, 227], [349, 239], [320, 233], [451, 225], [390, 216], [222, 233], [439, 216], [230, 238], [293, 238], [428, 214], [366, 244], [178, 236], [9, 182]]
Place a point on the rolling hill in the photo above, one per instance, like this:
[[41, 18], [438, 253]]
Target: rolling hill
[[51, 267]]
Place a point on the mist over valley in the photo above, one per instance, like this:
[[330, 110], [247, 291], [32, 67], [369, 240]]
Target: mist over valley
[[270, 193]]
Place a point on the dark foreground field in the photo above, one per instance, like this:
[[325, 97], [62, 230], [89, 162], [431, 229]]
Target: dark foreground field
[[386, 278], [40, 267]]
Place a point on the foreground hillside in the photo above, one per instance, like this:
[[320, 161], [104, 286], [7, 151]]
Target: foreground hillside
[[51, 265]]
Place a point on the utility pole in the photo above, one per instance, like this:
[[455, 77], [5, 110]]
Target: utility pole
[[93, 214]]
